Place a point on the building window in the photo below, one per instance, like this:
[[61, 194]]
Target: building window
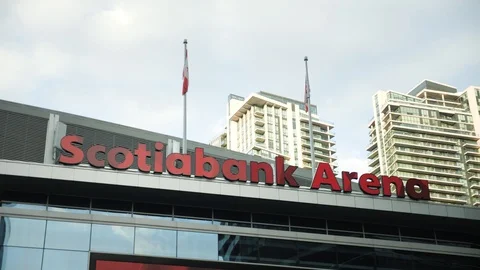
[[68, 235], [194, 245], [64, 259], [110, 238], [155, 242]]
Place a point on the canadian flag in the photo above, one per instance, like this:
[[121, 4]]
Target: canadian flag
[[185, 74], [307, 92]]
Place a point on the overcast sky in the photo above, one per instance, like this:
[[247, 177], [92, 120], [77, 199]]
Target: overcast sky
[[121, 61]]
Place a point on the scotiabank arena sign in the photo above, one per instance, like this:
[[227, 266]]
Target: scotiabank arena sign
[[232, 169]]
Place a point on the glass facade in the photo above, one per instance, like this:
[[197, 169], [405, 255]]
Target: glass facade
[[46, 247], [103, 235]]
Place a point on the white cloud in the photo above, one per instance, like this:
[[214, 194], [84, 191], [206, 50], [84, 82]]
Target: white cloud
[[353, 164], [12, 68], [49, 16], [121, 61], [47, 61], [21, 71]]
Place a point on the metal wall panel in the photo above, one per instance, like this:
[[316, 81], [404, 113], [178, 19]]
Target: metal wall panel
[[22, 137]]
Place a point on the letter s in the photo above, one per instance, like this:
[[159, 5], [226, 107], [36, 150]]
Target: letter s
[[76, 153]]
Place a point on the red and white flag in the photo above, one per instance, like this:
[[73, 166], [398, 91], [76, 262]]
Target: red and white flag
[[307, 92], [185, 74]]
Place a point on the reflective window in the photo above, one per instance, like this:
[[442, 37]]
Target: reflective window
[[111, 207], [152, 217], [345, 228], [433, 261], [380, 231], [317, 255], [275, 251], [232, 215], [13, 258], [152, 209], [23, 232], [457, 239], [62, 259], [307, 222], [193, 214], [24, 206], [193, 220], [235, 248], [16, 196], [110, 213], [393, 259], [270, 219], [308, 225], [155, 242], [69, 204], [193, 245], [232, 223], [184, 211], [351, 257], [68, 235], [108, 238], [417, 235], [64, 209]]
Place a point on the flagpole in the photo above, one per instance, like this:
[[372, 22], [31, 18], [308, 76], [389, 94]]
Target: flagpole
[[184, 145], [312, 155]]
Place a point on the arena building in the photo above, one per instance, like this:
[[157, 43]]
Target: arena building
[[79, 193]]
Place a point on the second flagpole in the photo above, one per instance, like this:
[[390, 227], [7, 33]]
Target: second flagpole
[[184, 144], [312, 155]]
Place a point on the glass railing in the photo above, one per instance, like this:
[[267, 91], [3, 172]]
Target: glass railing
[[426, 144], [427, 152], [315, 128], [454, 130], [315, 137], [424, 168], [449, 188], [316, 152], [473, 159], [416, 136], [432, 178], [314, 144], [425, 160]]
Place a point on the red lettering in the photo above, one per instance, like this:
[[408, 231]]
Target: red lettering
[[92, 156], [325, 176], [201, 160], [424, 193], [186, 168], [255, 168], [369, 184], [241, 166], [67, 144], [347, 178], [158, 159], [127, 158], [397, 182], [285, 175], [142, 154]]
